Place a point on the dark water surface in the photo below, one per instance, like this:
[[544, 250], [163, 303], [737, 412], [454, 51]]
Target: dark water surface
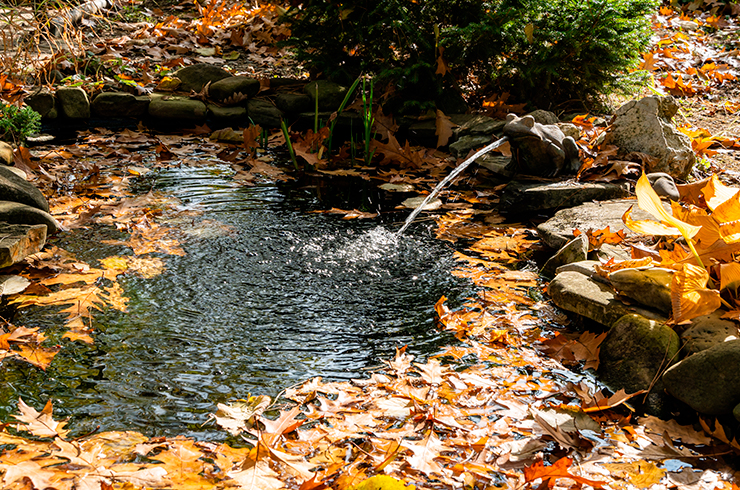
[[283, 296]]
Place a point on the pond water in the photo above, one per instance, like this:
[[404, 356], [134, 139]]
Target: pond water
[[282, 296]]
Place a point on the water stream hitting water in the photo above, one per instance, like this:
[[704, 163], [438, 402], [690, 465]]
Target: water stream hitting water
[[272, 298]]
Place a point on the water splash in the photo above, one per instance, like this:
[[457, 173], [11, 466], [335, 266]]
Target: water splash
[[448, 179]]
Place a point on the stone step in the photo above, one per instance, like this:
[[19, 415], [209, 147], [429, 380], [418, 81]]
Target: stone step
[[19, 241]]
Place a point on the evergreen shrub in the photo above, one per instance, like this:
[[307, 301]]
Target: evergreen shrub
[[546, 51]]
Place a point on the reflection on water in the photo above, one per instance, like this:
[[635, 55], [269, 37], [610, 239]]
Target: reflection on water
[[274, 297]]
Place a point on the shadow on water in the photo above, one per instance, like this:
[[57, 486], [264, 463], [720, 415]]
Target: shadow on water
[[275, 296]]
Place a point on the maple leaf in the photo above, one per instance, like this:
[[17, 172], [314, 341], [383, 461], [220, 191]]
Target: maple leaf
[[559, 469], [40, 424], [424, 453], [257, 477]]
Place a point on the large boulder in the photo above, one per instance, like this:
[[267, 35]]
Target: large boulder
[[19, 241], [74, 102], [233, 90], [649, 286], [521, 197], [707, 331], [43, 101], [708, 381], [119, 104], [14, 188], [265, 114], [178, 108], [195, 77], [293, 103], [330, 94], [20, 214], [645, 126]]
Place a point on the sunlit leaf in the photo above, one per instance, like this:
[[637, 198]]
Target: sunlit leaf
[[689, 296]]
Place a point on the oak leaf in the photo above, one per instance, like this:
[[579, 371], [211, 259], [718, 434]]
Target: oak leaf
[[40, 424], [559, 469]]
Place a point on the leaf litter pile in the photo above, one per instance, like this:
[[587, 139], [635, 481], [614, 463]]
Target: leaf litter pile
[[498, 410]]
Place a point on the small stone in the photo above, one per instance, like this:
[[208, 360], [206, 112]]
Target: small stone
[[178, 108], [195, 77], [608, 251], [664, 185], [708, 381], [43, 102], [636, 350], [265, 114], [14, 188], [585, 267], [228, 114], [570, 129], [20, 214], [650, 287], [118, 104], [293, 103], [233, 90], [544, 117], [6, 153], [74, 102], [707, 331], [18, 241], [498, 164], [330, 94], [575, 250]]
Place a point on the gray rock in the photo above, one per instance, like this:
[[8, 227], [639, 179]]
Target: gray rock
[[664, 185], [265, 114], [558, 230], [228, 114], [498, 164], [528, 197], [293, 103], [635, 353], [707, 331], [233, 90], [178, 108], [465, 144], [43, 101], [18, 241], [708, 381], [575, 250], [570, 129], [544, 117], [14, 188], [645, 126], [195, 77], [21, 214], [6, 154], [585, 267], [608, 251], [74, 102], [478, 124], [119, 104], [650, 287], [330, 94], [540, 149], [592, 299]]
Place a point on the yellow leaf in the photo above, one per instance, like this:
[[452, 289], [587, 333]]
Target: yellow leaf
[[383, 482], [729, 274], [689, 295], [642, 474], [649, 201], [709, 232], [40, 357], [715, 192], [646, 226]]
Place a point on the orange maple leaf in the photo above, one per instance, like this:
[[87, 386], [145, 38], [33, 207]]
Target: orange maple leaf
[[558, 470]]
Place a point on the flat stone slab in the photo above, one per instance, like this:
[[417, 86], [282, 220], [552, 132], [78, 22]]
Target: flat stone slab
[[530, 197], [587, 297], [558, 230], [19, 241], [20, 214]]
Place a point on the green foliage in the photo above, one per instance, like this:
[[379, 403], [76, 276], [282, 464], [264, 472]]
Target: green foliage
[[547, 51], [17, 124]]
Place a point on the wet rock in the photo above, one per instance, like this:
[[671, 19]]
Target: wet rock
[[73, 102], [558, 230], [43, 102], [228, 114], [265, 114], [585, 267], [466, 144], [634, 354], [593, 299], [664, 185], [650, 287], [177, 108], [540, 149], [6, 154], [21, 214], [498, 164], [293, 103], [530, 197], [707, 331], [708, 381], [544, 117], [645, 126], [330, 94], [233, 90], [18, 241], [575, 250], [195, 77], [119, 104], [14, 188]]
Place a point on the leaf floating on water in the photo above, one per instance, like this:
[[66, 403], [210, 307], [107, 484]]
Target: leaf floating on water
[[415, 202], [235, 417], [40, 424]]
